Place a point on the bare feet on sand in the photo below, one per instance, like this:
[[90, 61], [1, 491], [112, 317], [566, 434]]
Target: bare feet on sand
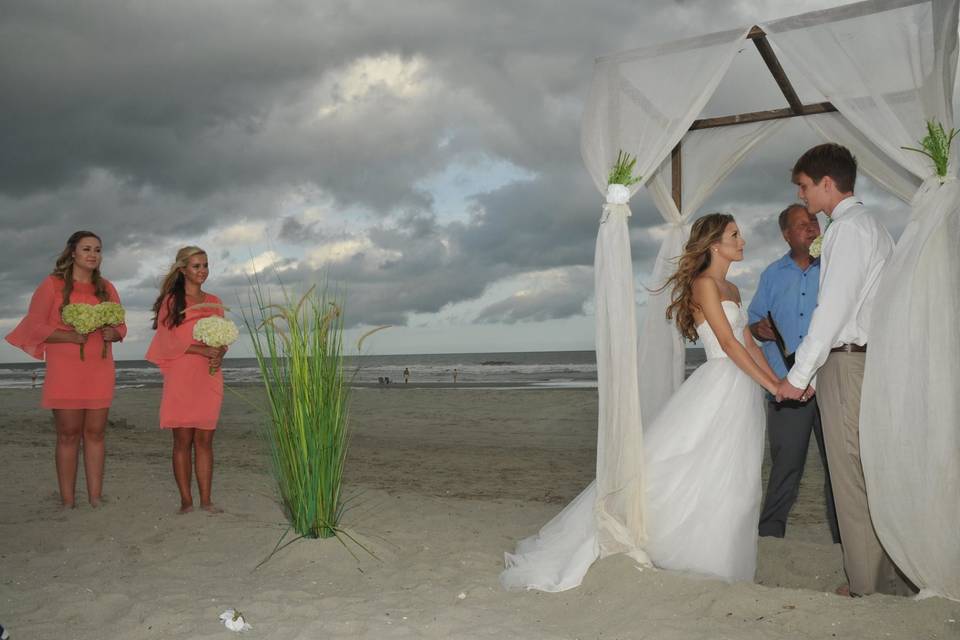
[[211, 508], [185, 507]]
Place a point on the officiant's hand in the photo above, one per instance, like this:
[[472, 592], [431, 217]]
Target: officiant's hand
[[762, 330], [787, 391]]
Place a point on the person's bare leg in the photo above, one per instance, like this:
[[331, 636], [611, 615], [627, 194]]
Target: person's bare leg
[[69, 423], [182, 450], [203, 449], [94, 429]]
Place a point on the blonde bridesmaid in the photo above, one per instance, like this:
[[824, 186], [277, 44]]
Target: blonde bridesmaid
[[190, 405]]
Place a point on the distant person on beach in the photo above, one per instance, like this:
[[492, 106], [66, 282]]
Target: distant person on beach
[[454, 376], [190, 404], [788, 292], [406, 375], [33, 378], [77, 387]]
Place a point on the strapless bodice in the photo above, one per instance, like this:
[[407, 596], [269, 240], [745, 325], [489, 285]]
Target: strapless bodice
[[738, 320]]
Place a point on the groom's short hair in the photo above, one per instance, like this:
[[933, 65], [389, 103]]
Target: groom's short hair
[[829, 159]]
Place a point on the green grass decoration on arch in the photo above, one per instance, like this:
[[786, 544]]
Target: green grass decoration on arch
[[936, 146]]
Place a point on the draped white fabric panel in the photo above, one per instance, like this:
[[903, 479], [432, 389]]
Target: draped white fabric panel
[[708, 156], [886, 65], [870, 160], [910, 414], [643, 102], [891, 68]]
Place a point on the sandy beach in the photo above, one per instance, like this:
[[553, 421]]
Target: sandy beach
[[440, 482]]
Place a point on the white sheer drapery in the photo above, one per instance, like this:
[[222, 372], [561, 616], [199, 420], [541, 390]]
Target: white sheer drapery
[[890, 175], [708, 156], [891, 68], [622, 113]]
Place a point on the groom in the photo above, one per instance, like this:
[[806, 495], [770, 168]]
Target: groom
[[855, 247]]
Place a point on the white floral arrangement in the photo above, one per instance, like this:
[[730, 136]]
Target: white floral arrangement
[[816, 247], [620, 178], [87, 318], [215, 331]]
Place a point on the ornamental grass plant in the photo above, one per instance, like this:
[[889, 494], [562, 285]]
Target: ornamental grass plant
[[299, 350]]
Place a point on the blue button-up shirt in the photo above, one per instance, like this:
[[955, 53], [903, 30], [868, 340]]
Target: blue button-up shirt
[[790, 295]]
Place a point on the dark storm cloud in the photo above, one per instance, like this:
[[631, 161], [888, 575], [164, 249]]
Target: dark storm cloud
[[153, 121]]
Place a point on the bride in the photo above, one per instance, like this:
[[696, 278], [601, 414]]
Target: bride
[[702, 454]]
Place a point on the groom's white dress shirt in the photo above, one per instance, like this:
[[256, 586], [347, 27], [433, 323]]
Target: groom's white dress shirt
[[855, 248]]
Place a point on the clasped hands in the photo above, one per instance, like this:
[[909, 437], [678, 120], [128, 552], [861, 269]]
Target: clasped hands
[[786, 391]]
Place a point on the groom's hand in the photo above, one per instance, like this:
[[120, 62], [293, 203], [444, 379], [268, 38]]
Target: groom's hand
[[786, 391]]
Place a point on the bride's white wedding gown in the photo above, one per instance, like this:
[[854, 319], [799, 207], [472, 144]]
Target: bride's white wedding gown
[[702, 458]]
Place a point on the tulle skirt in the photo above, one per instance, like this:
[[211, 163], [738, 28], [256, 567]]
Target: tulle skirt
[[702, 458]]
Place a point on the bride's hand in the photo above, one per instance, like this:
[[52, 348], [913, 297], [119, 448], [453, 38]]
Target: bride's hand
[[772, 386]]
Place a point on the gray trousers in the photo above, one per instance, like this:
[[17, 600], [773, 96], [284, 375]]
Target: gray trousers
[[789, 424]]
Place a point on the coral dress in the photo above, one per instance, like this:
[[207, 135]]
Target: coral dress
[[69, 383], [191, 396]]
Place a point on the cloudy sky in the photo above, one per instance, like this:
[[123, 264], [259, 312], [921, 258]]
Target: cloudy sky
[[424, 155]]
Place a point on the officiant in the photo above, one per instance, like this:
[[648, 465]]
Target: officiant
[[787, 295]]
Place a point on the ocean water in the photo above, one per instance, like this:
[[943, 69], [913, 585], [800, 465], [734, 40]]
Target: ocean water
[[522, 369]]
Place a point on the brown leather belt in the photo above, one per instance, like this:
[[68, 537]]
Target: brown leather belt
[[849, 348]]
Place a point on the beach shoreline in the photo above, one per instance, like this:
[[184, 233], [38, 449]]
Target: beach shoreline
[[439, 483]]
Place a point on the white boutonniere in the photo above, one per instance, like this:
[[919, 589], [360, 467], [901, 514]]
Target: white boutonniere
[[234, 621], [816, 247]]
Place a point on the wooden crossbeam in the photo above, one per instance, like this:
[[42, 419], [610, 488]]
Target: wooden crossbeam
[[796, 108], [776, 70], [760, 116]]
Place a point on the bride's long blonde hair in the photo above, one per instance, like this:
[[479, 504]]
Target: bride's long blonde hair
[[694, 261]]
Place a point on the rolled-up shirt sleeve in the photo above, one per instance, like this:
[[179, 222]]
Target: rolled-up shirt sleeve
[[760, 304], [844, 264]]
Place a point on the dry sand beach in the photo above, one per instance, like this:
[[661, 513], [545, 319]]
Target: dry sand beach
[[441, 483]]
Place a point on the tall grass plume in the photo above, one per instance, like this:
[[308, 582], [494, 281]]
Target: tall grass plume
[[299, 349]]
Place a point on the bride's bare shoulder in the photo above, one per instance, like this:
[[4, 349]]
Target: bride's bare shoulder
[[705, 289]]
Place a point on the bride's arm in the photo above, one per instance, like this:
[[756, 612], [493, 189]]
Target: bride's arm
[[706, 294], [757, 354]]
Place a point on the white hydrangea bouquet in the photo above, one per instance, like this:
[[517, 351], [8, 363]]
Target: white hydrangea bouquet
[[216, 332], [82, 317], [109, 314]]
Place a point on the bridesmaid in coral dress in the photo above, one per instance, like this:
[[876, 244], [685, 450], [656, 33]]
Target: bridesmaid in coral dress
[[78, 391], [190, 406]]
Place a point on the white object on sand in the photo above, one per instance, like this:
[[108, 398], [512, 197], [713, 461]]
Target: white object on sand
[[234, 621]]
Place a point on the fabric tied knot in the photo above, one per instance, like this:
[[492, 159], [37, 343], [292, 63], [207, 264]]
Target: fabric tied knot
[[618, 194], [614, 208]]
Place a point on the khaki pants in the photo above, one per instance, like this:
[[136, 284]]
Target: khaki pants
[[868, 567]]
